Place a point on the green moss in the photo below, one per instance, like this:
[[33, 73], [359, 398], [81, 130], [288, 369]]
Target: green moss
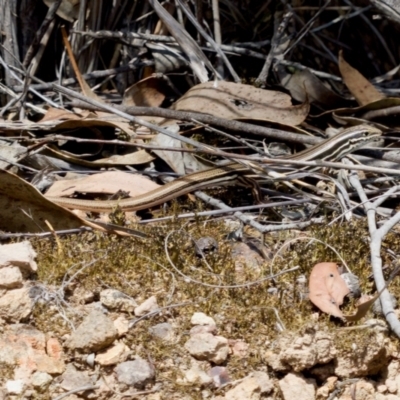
[[140, 268]]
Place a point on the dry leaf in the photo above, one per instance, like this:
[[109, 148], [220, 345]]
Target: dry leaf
[[359, 86], [362, 309], [327, 288], [24, 209], [107, 182], [233, 100], [149, 92], [304, 85], [68, 9]]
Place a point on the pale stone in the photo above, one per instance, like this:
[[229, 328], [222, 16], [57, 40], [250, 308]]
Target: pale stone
[[113, 355], [54, 349], [163, 331], [219, 376], [41, 380], [203, 329], [24, 346], [15, 386], [239, 348], [393, 377], [380, 396], [369, 358], [11, 278], [19, 255], [121, 324], [205, 346], [96, 332], [295, 386], [116, 300], [200, 318], [136, 373], [365, 391], [147, 306], [264, 381], [300, 353], [73, 378], [381, 388], [15, 305], [248, 389], [197, 376]]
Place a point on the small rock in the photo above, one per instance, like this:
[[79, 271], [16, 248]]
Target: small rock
[[137, 373], [245, 258], [219, 376], [380, 396], [41, 380], [205, 346], [24, 346], [381, 388], [54, 349], [113, 355], [203, 329], [205, 244], [90, 359], [239, 348], [95, 332], [248, 389], [15, 305], [353, 283], [121, 325], [72, 378], [19, 255], [295, 386], [82, 296], [200, 318], [11, 278], [370, 358], [392, 381], [364, 389], [163, 331], [197, 376], [15, 386], [116, 300], [147, 306], [264, 381], [301, 353]]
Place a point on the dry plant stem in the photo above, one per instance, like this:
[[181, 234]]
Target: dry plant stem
[[376, 32], [77, 390], [33, 48], [216, 47], [217, 33], [8, 27], [377, 236], [197, 59], [278, 37], [36, 60], [263, 161], [307, 28], [232, 125], [91, 75], [212, 150], [5, 236], [139, 121], [254, 224], [228, 210], [13, 74], [341, 18]]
